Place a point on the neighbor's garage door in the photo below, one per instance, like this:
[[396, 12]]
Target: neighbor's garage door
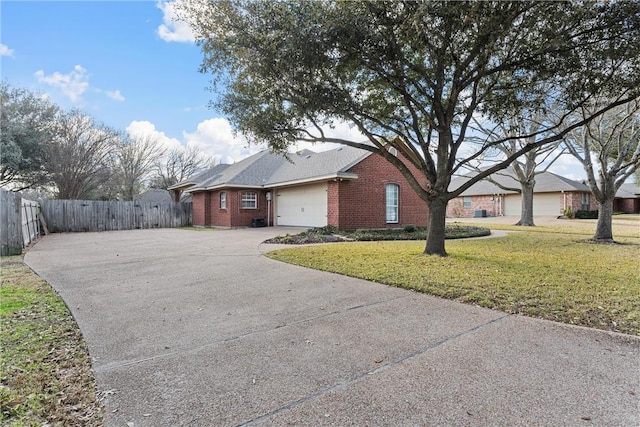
[[544, 204], [304, 206]]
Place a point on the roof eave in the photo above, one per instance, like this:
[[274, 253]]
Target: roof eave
[[181, 185], [338, 175]]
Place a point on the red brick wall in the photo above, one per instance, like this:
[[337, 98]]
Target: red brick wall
[[207, 211], [198, 200], [361, 203], [220, 217]]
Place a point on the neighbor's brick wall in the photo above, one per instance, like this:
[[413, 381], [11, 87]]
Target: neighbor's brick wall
[[456, 209], [626, 205], [362, 202], [573, 200]]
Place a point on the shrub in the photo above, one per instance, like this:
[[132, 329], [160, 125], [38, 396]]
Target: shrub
[[584, 214], [409, 228]]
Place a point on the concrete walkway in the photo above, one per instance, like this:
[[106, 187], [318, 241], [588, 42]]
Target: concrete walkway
[[197, 328]]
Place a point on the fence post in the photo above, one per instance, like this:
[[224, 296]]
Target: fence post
[[10, 223]]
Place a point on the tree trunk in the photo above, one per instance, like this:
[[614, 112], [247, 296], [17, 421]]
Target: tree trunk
[[435, 231], [604, 228], [526, 211]]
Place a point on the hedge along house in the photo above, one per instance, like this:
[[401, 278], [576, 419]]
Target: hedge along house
[[552, 195], [346, 187]]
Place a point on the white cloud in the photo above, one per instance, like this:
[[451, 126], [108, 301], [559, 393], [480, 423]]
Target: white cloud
[[216, 138], [72, 85], [144, 128], [569, 167], [5, 50], [114, 94], [172, 29]]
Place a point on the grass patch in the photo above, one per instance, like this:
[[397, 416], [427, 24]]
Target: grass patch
[[624, 226], [550, 275], [45, 370]]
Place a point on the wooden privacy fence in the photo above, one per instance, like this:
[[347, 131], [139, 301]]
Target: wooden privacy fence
[[89, 215], [19, 222]]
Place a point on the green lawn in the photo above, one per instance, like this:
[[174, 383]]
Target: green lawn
[[45, 370], [547, 272]]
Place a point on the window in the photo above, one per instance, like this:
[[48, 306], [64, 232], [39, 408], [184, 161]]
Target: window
[[466, 202], [393, 151], [392, 191], [223, 200], [249, 200], [585, 201]]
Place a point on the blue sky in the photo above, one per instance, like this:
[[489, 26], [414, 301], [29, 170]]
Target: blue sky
[[130, 65], [126, 63]]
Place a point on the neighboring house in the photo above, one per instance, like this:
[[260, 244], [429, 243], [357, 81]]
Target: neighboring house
[[155, 195], [345, 187], [627, 199], [552, 195]]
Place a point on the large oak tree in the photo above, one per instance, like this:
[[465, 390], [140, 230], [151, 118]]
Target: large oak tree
[[25, 128], [411, 74]]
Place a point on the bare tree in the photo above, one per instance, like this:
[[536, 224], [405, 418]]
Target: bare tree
[[136, 159], [179, 164], [526, 167], [609, 149], [78, 155]]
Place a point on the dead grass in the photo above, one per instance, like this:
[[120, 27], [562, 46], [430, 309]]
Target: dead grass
[[547, 272], [45, 370]]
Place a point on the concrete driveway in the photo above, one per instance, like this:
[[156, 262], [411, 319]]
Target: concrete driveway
[[197, 328]]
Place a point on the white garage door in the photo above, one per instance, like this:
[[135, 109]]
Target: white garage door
[[304, 206], [544, 204], [512, 205]]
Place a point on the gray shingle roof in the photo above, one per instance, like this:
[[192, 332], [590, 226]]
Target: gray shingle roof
[[546, 182], [628, 191], [307, 164], [201, 176], [266, 169]]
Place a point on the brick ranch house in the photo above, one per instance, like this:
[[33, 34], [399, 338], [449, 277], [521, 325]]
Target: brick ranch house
[[552, 194], [346, 187]]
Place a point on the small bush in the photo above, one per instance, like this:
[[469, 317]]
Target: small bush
[[568, 212], [584, 214], [410, 228]]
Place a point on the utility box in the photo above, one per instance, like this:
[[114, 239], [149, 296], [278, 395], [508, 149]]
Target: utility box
[[480, 213], [258, 222]]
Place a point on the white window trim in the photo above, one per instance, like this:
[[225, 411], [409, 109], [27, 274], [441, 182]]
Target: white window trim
[[464, 202], [253, 199], [223, 200], [395, 206]]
